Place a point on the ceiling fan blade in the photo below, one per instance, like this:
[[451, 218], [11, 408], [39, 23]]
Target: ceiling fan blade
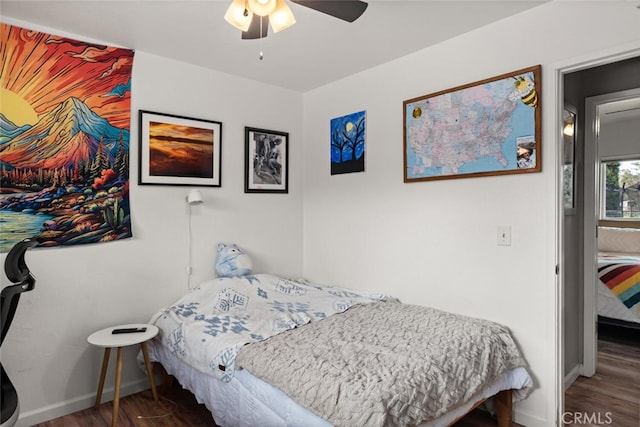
[[254, 29], [347, 10]]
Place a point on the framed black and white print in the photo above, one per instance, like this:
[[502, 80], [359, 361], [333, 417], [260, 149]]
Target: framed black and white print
[[266, 163]]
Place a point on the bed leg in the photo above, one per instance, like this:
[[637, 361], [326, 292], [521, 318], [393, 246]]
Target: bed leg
[[504, 408], [167, 380]]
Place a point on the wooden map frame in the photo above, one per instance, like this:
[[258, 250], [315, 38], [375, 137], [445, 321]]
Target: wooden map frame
[[527, 84]]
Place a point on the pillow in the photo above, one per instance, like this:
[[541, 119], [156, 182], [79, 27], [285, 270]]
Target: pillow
[[613, 239], [232, 261]]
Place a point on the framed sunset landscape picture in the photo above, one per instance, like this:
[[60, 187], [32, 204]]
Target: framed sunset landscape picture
[[176, 150]]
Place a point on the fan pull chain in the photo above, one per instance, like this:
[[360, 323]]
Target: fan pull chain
[[261, 54]]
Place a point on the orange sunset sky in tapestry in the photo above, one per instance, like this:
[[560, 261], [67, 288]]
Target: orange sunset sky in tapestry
[[176, 150], [40, 71]]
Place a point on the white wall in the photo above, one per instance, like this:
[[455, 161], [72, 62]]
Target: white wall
[[434, 243], [85, 288]]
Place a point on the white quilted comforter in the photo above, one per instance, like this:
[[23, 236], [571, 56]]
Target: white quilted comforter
[[206, 327], [384, 363]]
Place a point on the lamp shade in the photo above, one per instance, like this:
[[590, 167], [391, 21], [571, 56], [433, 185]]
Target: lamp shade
[[194, 197], [569, 119], [239, 15], [262, 7], [281, 18], [568, 129]]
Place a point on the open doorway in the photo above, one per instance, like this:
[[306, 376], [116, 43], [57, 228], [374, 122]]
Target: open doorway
[[591, 94], [611, 144]]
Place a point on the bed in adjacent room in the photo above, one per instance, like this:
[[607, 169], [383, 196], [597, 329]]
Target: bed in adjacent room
[[269, 351], [619, 276]]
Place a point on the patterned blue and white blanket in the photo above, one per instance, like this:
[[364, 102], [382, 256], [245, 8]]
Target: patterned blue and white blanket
[[208, 326]]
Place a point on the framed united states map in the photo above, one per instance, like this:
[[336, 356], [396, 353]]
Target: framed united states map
[[490, 127]]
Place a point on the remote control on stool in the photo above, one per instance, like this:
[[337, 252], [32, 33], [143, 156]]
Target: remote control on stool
[[128, 330]]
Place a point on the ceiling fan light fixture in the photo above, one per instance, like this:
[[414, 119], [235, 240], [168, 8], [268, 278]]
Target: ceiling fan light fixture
[[281, 18], [239, 15], [253, 19], [262, 7]]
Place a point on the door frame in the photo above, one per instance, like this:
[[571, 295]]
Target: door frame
[[559, 70], [591, 215]]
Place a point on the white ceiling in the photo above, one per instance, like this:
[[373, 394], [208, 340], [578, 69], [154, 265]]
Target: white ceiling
[[317, 50]]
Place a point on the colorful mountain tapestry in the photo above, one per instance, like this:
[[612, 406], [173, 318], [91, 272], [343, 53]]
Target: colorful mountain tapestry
[[65, 110]]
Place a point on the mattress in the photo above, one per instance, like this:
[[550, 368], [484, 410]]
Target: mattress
[[247, 401], [203, 331]]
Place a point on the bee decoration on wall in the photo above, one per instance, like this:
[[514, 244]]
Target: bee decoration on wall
[[526, 91]]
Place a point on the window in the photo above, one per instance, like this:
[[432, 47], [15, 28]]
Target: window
[[620, 191]]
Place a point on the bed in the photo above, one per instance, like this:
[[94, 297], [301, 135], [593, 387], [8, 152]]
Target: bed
[[619, 277], [270, 351]]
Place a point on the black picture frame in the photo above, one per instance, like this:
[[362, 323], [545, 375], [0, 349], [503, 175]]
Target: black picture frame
[[178, 150], [266, 163]]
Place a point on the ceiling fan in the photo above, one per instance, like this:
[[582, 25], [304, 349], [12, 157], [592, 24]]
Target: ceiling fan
[[253, 17]]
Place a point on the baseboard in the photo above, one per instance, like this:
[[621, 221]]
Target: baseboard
[[79, 403], [528, 420], [572, 376]]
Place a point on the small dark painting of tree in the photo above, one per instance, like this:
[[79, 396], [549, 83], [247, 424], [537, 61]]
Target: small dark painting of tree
[[347, 143]]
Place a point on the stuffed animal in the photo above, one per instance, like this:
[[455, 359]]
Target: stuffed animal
[[232, 261]]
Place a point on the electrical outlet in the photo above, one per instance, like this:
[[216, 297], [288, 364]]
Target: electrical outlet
[[504, 235]]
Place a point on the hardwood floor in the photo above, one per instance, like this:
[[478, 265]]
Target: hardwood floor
[[609, 398], [612, 396], [175, 408], [178, 408]]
